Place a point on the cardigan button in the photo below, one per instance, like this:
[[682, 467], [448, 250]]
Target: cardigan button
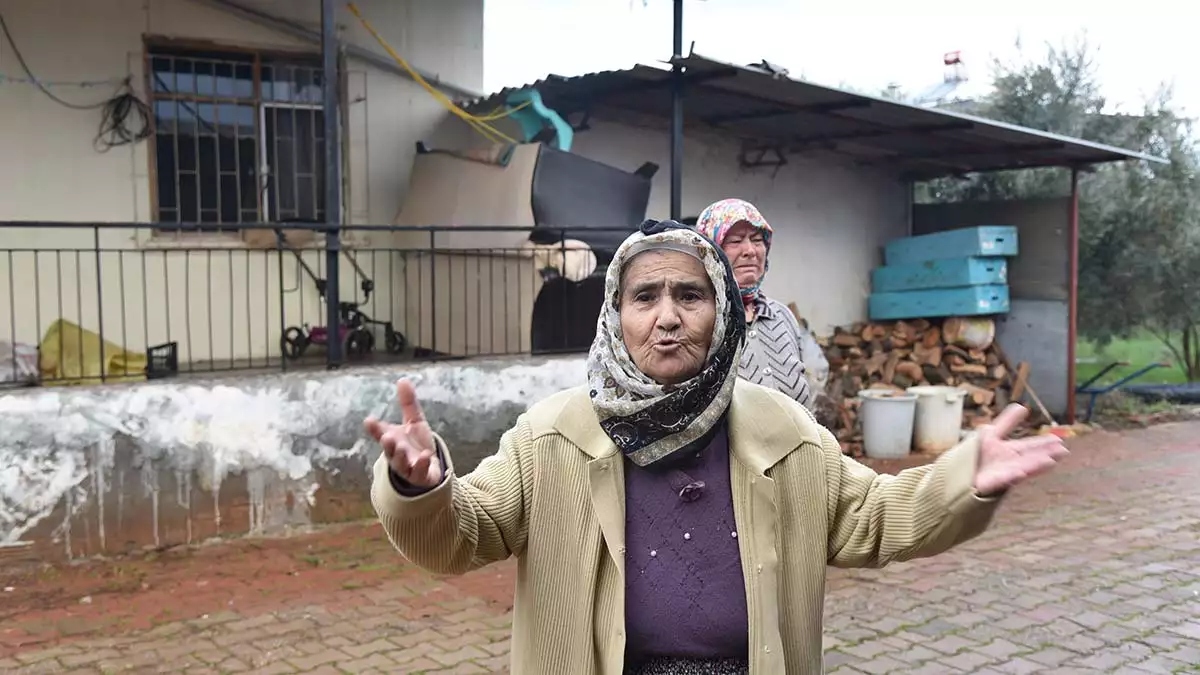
[[767, 649]]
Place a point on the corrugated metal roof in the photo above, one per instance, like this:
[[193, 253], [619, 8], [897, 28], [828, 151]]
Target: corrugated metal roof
[[556, 83], [767, 110]]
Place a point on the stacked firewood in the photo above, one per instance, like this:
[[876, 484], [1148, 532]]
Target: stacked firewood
[[896, 355]]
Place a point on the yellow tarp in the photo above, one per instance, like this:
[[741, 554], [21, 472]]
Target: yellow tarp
[[70, 355]]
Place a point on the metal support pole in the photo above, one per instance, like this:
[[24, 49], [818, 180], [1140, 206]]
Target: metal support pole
[[1073, 292], [912, 207], [677, 116], [333, 178]]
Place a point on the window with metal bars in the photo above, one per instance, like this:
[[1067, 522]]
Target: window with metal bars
[[239, 138]]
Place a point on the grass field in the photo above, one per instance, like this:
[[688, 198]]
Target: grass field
[[1139, 351]]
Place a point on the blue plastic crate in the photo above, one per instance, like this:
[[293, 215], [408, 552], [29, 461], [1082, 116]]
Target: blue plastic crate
[[940, 302], [987, 240], [947, 273]]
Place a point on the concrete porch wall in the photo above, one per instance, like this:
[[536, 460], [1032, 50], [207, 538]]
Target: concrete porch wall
[[105, 470]]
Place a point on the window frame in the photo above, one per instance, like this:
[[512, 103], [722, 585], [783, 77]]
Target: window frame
[[259, 57]]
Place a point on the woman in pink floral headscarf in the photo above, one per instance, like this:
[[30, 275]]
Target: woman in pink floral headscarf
[[778, 351]]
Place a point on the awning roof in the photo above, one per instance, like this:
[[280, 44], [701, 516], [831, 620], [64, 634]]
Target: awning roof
[[775, 114]]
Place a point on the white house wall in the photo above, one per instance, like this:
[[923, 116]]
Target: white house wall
[[830, 221], [50, 170]]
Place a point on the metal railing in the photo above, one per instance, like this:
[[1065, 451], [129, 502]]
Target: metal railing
[[91, 303]]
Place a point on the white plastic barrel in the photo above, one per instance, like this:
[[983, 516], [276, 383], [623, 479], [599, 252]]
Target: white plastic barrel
[[887, 422], [938, 422]]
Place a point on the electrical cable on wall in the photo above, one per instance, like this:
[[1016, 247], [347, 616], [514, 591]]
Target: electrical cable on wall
[[12, 43], [477, 122], [125, 118]]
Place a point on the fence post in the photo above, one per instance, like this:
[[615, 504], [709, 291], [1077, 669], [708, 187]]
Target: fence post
[[433, 297], [333, 180], [279, 243], [562, 310], [99, 303]]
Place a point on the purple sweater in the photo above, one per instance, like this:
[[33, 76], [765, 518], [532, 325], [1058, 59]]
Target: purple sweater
[[685, 594]]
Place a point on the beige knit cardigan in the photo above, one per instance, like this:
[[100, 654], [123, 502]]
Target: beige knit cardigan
[[553, 496]]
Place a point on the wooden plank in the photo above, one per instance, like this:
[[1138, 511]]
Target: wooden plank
[[1018, 388]]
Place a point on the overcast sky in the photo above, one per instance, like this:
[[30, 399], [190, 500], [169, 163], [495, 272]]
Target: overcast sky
[[878, 43]]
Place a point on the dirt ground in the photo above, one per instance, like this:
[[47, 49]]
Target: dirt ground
[[48, 604]]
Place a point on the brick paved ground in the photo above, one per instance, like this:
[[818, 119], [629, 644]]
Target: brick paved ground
[[1094, 569]]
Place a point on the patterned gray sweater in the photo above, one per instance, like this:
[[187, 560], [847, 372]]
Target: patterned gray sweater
[[774, 355]]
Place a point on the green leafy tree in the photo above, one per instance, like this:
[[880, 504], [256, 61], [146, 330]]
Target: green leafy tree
[[1139, 243]]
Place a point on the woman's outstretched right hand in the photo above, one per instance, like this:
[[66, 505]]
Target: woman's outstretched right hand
[[409, 446]]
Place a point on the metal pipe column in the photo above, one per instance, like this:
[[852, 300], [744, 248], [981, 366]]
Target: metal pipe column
[[677, 115], [1073, 291], [333, 177]]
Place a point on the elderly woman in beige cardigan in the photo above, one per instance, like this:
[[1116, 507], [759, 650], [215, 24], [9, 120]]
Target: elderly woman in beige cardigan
[[668, 517]]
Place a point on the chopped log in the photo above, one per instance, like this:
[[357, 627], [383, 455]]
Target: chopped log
[[976, 418], [973, 332], [933, 337], [926, 355], [969, 369], [889, 368], [874, 363], [980, 396], [944, 371], [910, 371], [933, 375], [845, 339], [957, 351], [1002, 398]]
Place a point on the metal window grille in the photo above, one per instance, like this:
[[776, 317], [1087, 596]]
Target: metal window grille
[[239, 138]]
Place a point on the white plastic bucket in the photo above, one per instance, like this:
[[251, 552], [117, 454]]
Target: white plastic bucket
[[938, 424], [887, 422]]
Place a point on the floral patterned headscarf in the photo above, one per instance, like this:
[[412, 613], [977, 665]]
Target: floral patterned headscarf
[[718, 219], [650, 422]]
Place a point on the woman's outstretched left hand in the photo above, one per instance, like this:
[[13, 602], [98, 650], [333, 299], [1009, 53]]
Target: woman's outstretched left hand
[[1005, 462]]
